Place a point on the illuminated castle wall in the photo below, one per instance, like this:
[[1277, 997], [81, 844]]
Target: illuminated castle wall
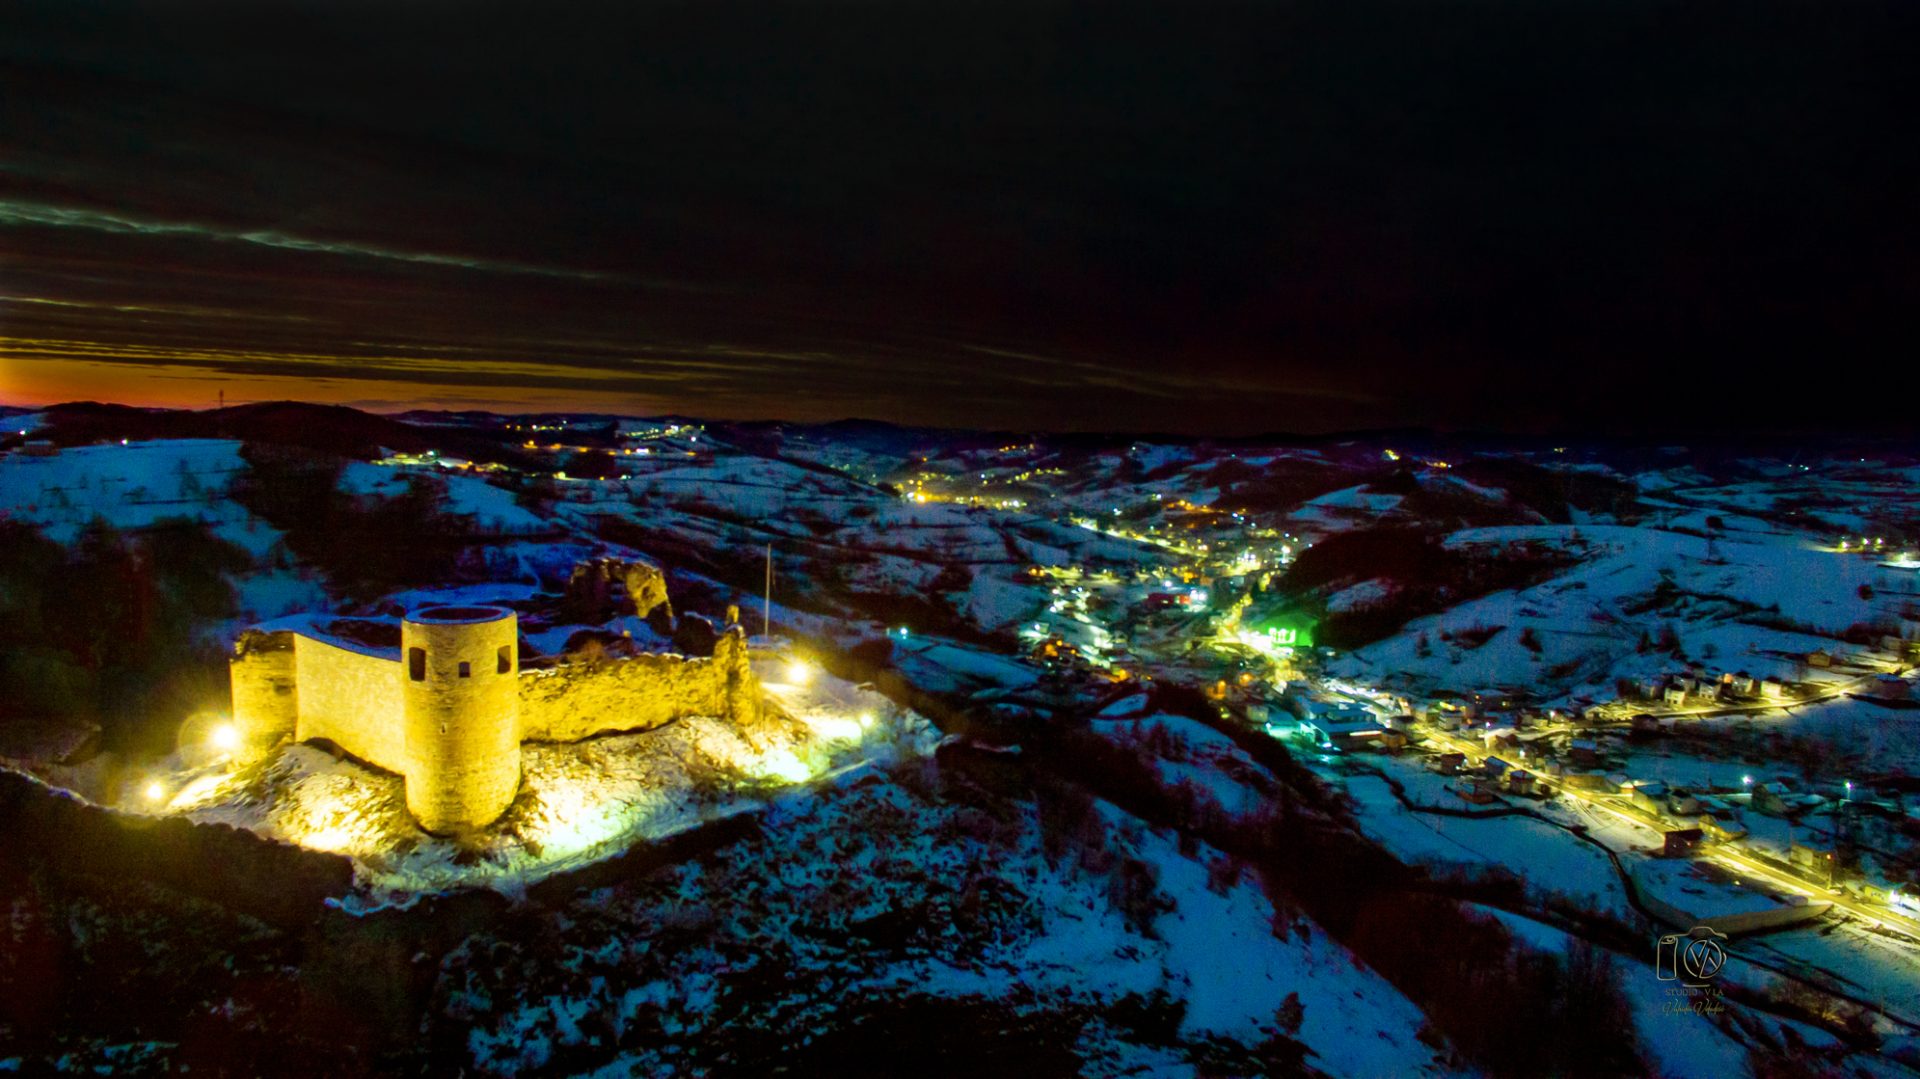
[[448, 711]]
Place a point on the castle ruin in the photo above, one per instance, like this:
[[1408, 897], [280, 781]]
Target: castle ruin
[[449, 707]]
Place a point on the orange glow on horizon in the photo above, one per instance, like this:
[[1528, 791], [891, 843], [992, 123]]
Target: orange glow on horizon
[[34, 383]]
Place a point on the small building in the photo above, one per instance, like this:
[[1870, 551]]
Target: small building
[[1476, 791], [1645, 724], [1649, 795], [1767, 798], [1682, 803], [1721, 829], [1680, 842], [1520, 781], [1450, 763], [1583, 753], [1492, 737], [1495, 767], [1819, 659], [1675, 694], [1586, 781], [1744, 684], [1890, 687], [1814, 861], [1772, 688]]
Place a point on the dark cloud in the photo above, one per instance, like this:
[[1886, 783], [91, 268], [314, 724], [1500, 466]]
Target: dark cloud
[[1222, 217]]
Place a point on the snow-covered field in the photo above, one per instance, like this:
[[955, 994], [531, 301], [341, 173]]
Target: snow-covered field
[[890, 893]]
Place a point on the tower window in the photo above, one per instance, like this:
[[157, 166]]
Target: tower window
[[505, 661], [417, 664], [466, 669]]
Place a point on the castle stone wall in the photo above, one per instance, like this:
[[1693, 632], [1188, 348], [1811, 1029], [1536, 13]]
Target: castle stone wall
[[351, 699], [575, 701], [462, 717], [266, 696], [449, 712]]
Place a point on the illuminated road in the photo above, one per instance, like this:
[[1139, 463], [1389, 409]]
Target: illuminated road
[[1728, 855]]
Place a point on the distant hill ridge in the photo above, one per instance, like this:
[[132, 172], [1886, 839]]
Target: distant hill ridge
[[337, 429], [485, 436]]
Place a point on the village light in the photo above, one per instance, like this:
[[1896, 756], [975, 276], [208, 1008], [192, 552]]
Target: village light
[[225, 738], [798, 672], [154, 791]]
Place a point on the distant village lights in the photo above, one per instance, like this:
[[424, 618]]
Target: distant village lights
[[225, 738]]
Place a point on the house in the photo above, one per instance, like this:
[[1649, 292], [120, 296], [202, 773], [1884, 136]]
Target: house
[[1819, 659], [1680, 842], [1520, 781], [1814, 861], [1721, 829], [1645, 724], [1495, 766], [1682, 803], [1448, 764], [1475, 791], [1649, 795], [1583, 753], [1772, 688], [1498, 738], [1767, 799], [1675, 694]]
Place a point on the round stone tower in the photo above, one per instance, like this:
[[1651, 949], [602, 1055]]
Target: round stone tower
[[460, 679]]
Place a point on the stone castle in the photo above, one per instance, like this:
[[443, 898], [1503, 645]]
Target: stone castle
[[449, 707]]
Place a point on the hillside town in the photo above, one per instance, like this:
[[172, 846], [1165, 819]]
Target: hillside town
[[1590, 695]]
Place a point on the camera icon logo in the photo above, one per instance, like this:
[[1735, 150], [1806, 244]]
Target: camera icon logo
[[1694, 958]]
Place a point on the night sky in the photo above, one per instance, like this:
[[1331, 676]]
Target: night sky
[[1529, 216]]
